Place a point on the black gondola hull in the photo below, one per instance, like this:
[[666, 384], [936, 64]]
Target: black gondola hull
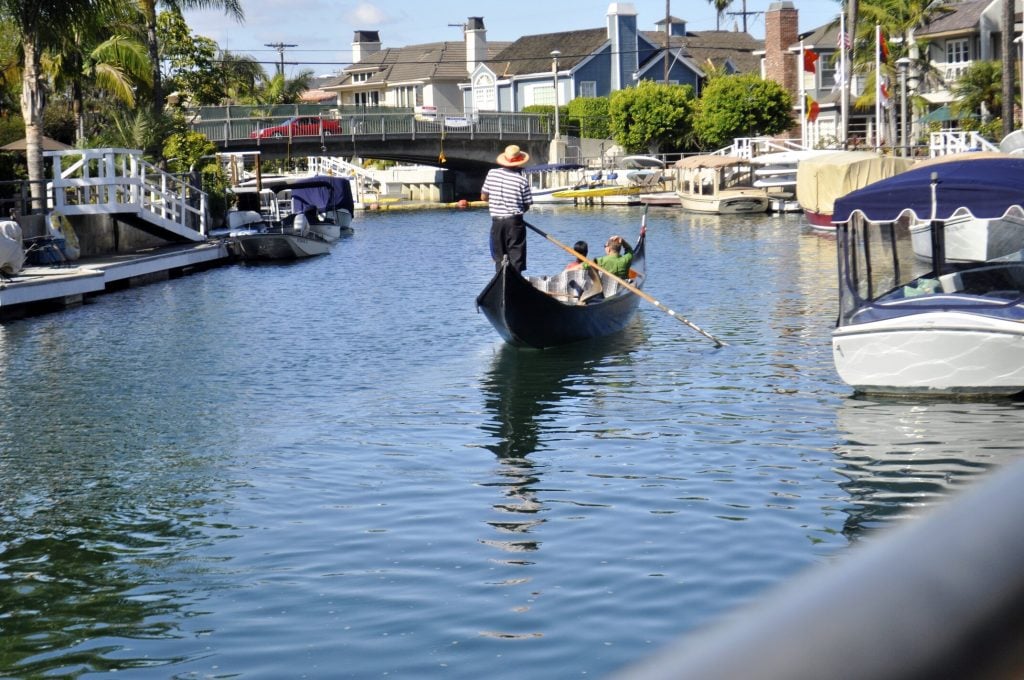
[[527, 317]]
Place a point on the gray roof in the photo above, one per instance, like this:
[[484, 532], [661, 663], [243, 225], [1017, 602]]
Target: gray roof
[[963, 17], [415, 63], [718, 47], [532, 53]]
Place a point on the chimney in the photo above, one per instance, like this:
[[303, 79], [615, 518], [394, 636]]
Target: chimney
[[782, 31], [364, 44], [622, 33], [476, 42]]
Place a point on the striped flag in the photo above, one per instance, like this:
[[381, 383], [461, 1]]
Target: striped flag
[[812, 109]]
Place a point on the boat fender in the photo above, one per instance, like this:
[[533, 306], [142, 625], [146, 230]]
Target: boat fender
[[301, 224]]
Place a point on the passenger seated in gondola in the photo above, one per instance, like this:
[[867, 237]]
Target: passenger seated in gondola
[[615, 260], [581, 248]]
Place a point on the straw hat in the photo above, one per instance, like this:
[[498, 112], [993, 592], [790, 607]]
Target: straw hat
[[513, 157]]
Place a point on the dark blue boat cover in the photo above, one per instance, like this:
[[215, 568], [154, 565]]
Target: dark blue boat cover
[[324, 192], [986, 186]]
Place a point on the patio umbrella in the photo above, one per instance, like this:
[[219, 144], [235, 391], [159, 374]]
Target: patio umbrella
[[49, 144]]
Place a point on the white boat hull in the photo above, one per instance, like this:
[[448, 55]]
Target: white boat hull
[[725, 202], [932, 352], [970, 239]]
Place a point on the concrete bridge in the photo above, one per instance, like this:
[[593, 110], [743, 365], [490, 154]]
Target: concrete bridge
[[465, 145]]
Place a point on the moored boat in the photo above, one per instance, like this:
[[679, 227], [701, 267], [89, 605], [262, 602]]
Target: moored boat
[[822, 179], [573, 305], [718, 184], [935, 327], [292, 239]]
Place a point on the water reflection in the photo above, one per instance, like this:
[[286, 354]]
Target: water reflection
[[527, 395], [901, 457]]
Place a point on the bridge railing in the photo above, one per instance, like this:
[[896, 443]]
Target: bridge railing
[[376, 125]]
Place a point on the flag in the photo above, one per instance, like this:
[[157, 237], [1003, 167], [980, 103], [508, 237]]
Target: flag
[[843, 40], [886, 97], [883, 47], [812, 109], [810, 60]]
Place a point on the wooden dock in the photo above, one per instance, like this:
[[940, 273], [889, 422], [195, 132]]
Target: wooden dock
[[41, 289]]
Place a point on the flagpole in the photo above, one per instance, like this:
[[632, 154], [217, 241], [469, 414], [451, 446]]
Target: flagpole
[[878, 87], [803, 98], [844, 98]]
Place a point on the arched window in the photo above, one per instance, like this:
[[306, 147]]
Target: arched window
[[484, 95]]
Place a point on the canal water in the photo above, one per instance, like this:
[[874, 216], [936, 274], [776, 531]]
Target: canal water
[[336, 469]]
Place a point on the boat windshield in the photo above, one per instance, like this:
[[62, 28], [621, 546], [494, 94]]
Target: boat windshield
[[883, 264]]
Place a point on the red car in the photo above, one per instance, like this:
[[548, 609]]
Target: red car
[[300, 126]]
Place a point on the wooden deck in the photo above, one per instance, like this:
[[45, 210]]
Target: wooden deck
[[41, 289]]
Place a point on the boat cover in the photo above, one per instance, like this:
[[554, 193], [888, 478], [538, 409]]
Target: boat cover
[[324, 192], [552, 166], [985, 185], [823, 179], [12, 252]]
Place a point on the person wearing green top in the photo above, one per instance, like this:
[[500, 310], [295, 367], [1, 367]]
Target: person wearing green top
[[615, 260]]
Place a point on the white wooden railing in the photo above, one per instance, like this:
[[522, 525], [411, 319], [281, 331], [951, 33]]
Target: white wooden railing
[[120, 181], [957, 141]]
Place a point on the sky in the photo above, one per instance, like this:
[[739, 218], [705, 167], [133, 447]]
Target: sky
[[317, 34]]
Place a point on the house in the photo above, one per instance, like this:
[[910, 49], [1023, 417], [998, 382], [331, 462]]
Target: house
[[545, 68], [966, 32], [425, 75]]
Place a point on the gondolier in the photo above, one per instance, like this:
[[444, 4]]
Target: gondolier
[[508, 196]]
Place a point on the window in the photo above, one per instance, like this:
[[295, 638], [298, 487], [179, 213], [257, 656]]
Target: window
[[588, 88], [484, 96], [544, 95], [958, 57], [957, 52]]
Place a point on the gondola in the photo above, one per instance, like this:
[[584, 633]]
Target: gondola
[[547, 311]]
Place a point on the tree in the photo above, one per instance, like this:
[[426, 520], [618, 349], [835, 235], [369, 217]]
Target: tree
[[1006, 42], [232, 8], [591, 115], [651, 115], [741, 106], [281, 90], [720, 7], [100, 51], [979, 89], [190, 60], [39, 26]]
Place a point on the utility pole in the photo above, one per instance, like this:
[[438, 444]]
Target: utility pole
[[280, 47], [744, 14]]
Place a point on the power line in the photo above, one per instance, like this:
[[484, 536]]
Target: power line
[[280, 50]]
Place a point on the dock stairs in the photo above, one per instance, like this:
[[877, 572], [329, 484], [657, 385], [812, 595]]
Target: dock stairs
[[120, 183]]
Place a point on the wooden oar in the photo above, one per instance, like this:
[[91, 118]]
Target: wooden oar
[[627, 285]]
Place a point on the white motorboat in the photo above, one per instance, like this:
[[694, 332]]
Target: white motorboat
[[937, 326], [623, 184], [292, 239], [718, 184], [325, 200], [776, 173]]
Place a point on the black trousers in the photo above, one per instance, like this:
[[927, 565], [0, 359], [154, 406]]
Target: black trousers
[[508, 237]]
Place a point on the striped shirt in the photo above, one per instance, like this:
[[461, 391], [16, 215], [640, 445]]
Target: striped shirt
[[508, 192]]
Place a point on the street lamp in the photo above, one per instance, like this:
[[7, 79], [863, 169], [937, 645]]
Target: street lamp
[[555, 54], [904, 65]]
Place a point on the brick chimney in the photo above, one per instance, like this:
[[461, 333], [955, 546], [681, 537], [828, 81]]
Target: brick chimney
[[782, 31]]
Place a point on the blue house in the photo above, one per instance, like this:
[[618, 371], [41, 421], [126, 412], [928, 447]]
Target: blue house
[[559, 67]]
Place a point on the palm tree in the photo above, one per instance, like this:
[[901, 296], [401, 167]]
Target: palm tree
[[116, 63], [979, 88], [1008, 70], [720, 7], [39, 26], [232, 8]]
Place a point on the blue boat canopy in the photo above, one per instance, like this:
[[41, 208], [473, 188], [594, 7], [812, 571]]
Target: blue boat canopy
[[552, 166], [324, 192], [986, 185]]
